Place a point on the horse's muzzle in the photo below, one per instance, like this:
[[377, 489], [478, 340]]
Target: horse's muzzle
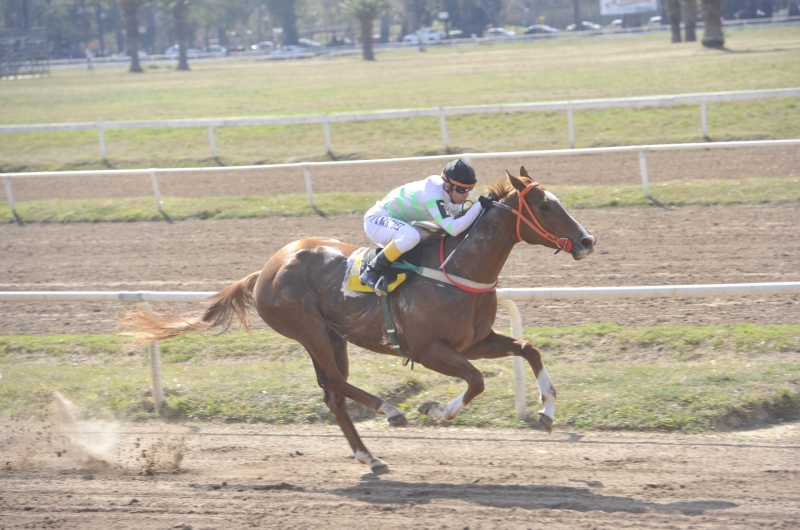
[[584, 247]]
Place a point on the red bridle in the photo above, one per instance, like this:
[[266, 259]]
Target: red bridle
[[563, 243]]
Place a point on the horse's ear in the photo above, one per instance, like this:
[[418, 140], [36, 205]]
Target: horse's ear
[[515, 181], [523, 172]]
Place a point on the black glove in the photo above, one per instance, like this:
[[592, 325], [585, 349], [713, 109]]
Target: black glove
[[486, 202]]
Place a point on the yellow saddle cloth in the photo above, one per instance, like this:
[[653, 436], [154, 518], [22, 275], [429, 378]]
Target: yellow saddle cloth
[[354, 283]]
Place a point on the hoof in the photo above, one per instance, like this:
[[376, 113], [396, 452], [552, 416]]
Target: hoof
[[425, 408], [546, 422], [398, 420], [379, 468]]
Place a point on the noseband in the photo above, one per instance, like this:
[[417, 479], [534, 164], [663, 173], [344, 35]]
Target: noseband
[[563, 243]]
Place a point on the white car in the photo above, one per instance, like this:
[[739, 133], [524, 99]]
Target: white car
[[585, 25], [174, 51], [263, 45], [424, 34], [500, 32]]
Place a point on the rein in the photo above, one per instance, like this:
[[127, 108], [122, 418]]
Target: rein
[[562, 243], [461, 286]]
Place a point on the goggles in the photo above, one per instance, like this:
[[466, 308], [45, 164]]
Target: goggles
[[458, 187]]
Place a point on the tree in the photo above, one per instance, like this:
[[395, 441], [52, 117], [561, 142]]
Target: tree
[[180, 17], [674, 15], [130, 8], [365, 11], [283, 11], [712, 15], [689, 12]]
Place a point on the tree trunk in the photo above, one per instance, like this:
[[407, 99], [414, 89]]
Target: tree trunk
[[98, 13], [577, 13], [689, 12], [180, 12], [674, 15], [366, 40], [712, 14], [131, 11]]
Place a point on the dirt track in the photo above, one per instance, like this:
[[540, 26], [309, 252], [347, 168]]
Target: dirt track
[[271, 477], [231, 477]]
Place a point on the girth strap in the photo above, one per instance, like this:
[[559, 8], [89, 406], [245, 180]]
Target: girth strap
[[389, 323]]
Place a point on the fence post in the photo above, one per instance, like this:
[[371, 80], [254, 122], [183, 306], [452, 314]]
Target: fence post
[[704, 119], [309, 187], [326, 130], [156, 192], [571, 127], [9, 195], [443, 125], [645, 179], [520, 400], [155, 369], [212, 142], [102, 140]]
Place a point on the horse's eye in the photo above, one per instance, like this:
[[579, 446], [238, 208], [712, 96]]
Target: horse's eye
[[544, 207]]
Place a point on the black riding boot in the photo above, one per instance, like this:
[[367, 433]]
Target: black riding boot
[[373, 274]]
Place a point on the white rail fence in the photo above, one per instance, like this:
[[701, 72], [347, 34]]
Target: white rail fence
[[441, 112], [307, 166], [506, 298]]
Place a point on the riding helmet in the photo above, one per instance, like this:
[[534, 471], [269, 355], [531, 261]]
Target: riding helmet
[[460, 173]]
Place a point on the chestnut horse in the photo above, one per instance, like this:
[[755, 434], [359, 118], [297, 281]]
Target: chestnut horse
[[301, 293]]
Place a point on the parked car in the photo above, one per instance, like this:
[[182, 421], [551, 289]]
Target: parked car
[[425, 34], [308, 43], [457, 34], [339, 41], [142, 54], [500, 32], [217, 48], [539, 28], [586, 25], [264, 45], [654, 21], [174, 51], [616, 23], [290, 49]]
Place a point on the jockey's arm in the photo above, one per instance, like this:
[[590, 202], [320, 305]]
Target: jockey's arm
[[450, 224]]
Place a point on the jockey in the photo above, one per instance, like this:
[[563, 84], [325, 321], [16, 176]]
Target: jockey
[[438, 198]]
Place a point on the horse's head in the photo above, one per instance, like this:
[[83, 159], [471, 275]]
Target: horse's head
[[543, 220]]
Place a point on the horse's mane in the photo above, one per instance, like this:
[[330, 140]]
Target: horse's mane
[[500, 188]]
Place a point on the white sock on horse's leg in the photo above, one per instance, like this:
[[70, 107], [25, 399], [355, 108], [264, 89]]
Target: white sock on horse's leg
[[447, 412], [547, 394]]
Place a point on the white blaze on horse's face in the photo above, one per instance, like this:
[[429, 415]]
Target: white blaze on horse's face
[[585, 243]]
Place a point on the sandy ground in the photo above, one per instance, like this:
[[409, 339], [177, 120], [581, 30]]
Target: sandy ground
[[167, 476], [649, 246], [292, 477]]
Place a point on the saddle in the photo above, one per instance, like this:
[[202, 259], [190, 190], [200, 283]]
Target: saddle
[[429, 233]]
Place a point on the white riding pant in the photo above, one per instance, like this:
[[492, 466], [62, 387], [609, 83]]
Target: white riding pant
[[383, 229]]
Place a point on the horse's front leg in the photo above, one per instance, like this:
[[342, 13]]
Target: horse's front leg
[[497, 345]]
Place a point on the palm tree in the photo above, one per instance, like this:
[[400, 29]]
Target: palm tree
[[366, 11], [689, 11], [180, 16], [712, 15], [130, 8]]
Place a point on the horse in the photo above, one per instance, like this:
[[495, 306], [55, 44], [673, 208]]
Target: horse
[[301, 293]]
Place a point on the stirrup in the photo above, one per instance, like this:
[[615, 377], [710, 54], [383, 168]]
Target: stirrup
[[380, 287]]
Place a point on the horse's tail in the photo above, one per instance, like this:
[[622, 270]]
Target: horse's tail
[[232, 301]]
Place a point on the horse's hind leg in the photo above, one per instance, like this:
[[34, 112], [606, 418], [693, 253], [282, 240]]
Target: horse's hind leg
[[338, 406]]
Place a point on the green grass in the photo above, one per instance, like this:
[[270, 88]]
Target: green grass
[[542, 71], [674, 193], [697, 378]]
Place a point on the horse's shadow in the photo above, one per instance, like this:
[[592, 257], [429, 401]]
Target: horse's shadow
[[528, 497]]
